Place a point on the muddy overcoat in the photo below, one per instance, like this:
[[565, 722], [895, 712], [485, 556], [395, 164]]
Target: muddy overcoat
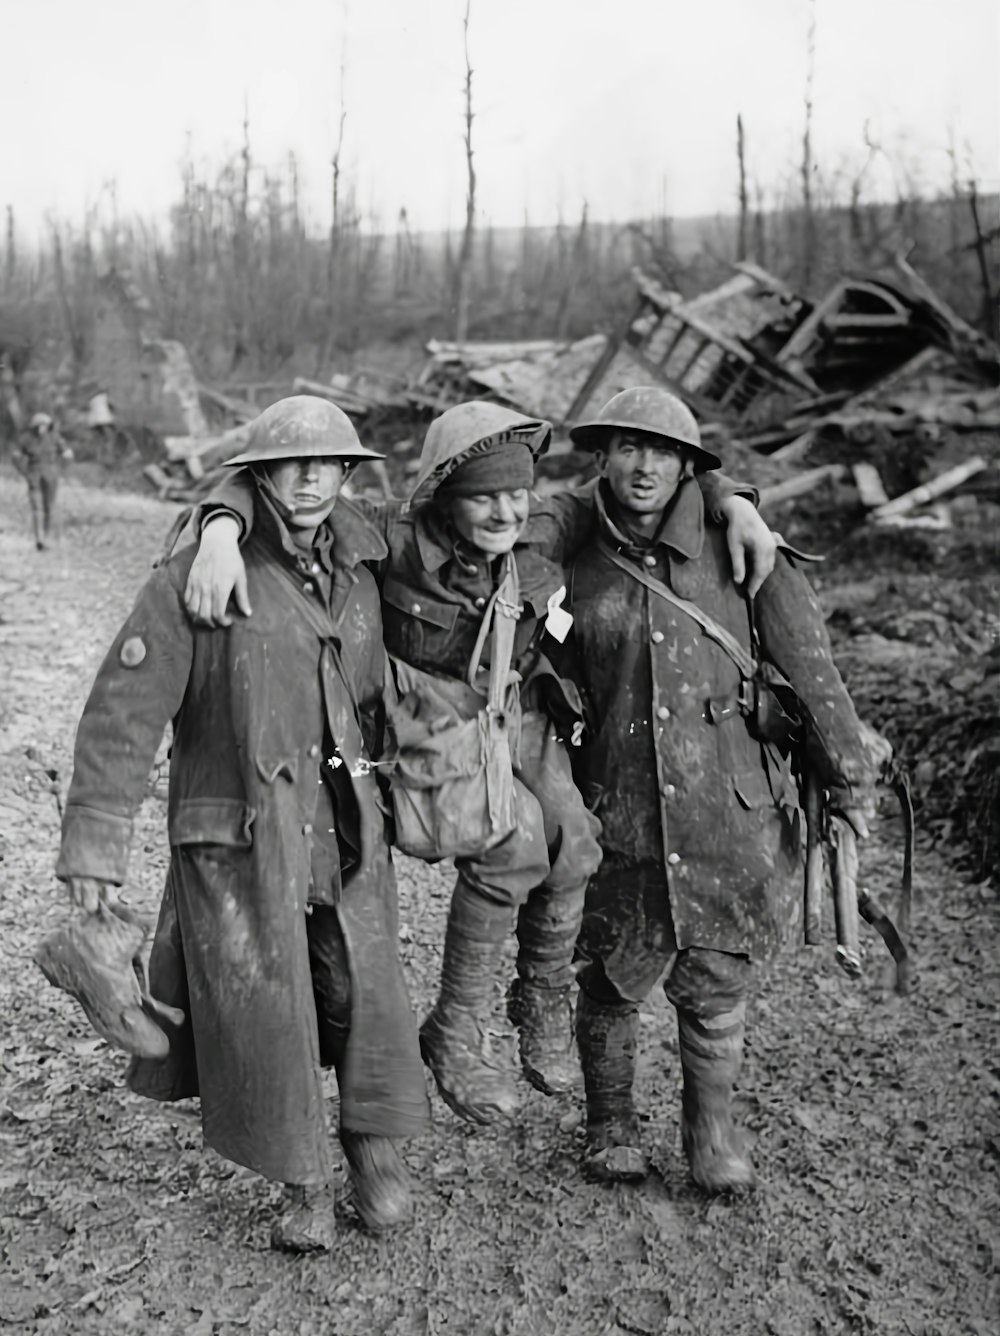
[[673, 771], [255, 710]]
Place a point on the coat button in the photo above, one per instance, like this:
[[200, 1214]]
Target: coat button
[[314, 751], [663, 712], [416, 608], [670, 790], [480, 602], [649, 560], [657, 637], [673, 859], [314, 568], [307, 829], [308, 587]]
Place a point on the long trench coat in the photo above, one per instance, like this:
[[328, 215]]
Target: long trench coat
[[252, 707], [674, 774]]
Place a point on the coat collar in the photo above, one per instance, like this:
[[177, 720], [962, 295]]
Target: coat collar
[[682, 529], [347, 538]]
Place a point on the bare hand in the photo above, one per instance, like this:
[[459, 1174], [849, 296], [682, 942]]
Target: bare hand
[[748, 535], [89, 894], [217, 573]]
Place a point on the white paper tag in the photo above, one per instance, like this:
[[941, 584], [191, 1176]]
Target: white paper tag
[[558, 621]]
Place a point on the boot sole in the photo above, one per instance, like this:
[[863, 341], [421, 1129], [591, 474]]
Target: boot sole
[[491, 1116]]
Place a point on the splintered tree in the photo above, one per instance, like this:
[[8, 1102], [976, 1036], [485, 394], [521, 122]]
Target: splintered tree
[[463, 273], [741, 245], [808, 219]]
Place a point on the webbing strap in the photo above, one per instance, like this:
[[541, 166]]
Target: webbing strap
[[723, 638], [502, 611]]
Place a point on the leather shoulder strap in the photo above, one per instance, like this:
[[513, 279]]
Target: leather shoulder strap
[[723, 638]]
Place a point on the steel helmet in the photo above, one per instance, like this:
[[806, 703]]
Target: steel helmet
[[40, 421], [466, 429], [647, 408], [302, 426]]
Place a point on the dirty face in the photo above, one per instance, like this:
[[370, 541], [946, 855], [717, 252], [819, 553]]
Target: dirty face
[[642, 470], [307, 487], [491, 522]]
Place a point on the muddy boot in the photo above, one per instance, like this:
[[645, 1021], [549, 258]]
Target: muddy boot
[[308, 1223], [711, 1055], [380, 1184], [471, 1068], [540, 1001], [606, 1036]]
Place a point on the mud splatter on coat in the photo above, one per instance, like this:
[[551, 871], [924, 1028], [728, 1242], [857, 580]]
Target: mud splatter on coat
[[255, 710], [676, 777]]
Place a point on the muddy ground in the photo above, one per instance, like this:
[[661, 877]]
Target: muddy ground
[[874, 1117]]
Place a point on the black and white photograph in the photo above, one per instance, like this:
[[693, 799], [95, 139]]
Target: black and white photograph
[[500, 668]]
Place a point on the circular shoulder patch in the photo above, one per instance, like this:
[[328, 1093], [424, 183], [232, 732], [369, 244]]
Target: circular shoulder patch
[[132, 652]]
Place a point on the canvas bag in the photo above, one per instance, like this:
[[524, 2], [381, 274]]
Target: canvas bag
[[452, 777]]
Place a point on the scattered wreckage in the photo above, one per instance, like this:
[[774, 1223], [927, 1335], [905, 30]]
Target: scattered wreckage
[[770, 375]]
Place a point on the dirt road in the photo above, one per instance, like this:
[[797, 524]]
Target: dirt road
[[874, 1117]]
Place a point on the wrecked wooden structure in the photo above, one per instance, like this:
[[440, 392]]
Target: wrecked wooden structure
[[764, 369]]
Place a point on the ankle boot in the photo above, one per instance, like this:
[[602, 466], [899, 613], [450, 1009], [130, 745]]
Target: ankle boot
[[308, 1223], [711, 1056], [606, 1035], [540, 1001], [380, 1184], [472, 1070]]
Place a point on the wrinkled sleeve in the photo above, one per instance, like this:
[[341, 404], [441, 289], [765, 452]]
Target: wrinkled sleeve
[[558, 525], [138, 690], [232, 496], [794, 637], [717, 487]]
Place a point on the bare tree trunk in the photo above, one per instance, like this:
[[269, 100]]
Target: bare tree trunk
[[575, 274], [464, 271], [741, 245], [10, 260], [333, 254], [808, 220], [759, 227], [990, 311], [73, 331]]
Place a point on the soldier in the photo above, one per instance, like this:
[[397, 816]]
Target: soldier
[[471, 506], [278, 928], [40, 461], [700, 831]]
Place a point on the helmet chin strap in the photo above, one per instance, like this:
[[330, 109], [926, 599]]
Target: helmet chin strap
[[308, 514]]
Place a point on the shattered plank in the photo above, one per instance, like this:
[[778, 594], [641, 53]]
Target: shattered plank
[[868, 481], [928, 491], [802, 483]]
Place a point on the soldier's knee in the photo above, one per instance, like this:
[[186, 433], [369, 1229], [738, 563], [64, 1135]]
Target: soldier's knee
[[708, 983]]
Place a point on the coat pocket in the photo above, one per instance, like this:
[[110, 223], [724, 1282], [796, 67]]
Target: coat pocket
[[227, 821]]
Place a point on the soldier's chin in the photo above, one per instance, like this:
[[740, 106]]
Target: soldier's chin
[[308, 517], [497, 543]]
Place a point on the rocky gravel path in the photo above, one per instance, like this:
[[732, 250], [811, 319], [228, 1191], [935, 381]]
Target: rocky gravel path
[[874, 1117]]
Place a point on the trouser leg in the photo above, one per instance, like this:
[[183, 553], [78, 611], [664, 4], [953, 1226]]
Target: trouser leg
[[35, 504], [50, 488], [458, 1040], [541, 998], [607, 1031], [381, 1188], [709, 989]]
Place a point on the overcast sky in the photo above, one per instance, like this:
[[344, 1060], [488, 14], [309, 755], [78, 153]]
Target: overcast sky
[[629, 105]]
